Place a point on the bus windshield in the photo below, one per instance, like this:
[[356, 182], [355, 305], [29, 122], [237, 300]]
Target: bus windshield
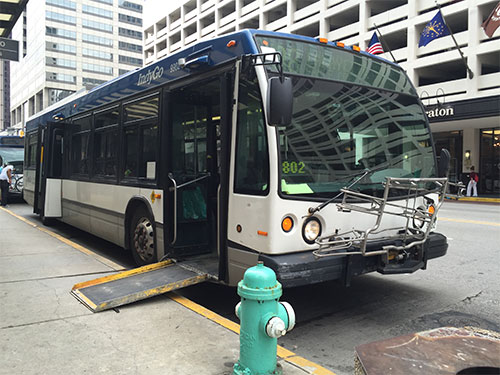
[[339, 131], [13, 156], [353, 115]]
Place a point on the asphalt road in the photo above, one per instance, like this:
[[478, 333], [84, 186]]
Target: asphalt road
[[460, 289]]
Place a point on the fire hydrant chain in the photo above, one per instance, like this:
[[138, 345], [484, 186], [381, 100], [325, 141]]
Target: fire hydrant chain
[[263, 320]]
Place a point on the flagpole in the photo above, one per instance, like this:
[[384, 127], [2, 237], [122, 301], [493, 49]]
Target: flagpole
[[382, 41], [469, 71]]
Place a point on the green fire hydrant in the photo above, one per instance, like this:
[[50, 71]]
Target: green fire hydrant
[[263, 320]]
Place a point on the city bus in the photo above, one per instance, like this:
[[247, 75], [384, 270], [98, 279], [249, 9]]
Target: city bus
[[12, 153], [310, 156]]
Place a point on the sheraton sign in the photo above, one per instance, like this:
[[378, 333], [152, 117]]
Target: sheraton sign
[[440, 112]]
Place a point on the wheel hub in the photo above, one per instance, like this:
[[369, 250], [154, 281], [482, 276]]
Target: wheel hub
[[144, 239]]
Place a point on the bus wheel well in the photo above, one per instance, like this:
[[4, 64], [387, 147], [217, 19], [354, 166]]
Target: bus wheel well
[[134, 205]]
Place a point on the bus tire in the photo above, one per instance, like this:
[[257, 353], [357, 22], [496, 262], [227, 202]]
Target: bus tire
[[142, 237]]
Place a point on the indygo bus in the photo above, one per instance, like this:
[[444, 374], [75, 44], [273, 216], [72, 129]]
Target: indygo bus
[[12, 153], [312, 157]]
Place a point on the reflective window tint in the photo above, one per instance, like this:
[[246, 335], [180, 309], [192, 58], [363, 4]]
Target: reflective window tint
[[143, 109]]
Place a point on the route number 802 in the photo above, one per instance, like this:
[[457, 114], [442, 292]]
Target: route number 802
[[293, 167]]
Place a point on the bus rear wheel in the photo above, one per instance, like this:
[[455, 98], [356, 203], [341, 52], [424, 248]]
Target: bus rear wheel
[[142, 238]]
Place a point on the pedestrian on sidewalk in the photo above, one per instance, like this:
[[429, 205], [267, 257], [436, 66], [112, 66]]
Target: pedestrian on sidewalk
[[472, 185], [5, 181]]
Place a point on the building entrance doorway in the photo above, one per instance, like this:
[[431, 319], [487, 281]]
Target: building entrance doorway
[[489, 170]]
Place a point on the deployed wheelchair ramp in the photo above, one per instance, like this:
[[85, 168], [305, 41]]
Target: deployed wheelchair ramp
[[134, 285]]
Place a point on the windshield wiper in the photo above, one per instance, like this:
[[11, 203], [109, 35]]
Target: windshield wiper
[[366, 172]]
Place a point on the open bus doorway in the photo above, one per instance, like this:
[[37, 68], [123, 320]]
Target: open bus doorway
[[195, 168]]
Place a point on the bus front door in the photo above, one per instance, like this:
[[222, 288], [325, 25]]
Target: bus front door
[[194, 165], [49, 171]]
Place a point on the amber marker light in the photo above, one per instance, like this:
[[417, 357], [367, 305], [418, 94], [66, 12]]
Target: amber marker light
[[340, 44], [262, 233], [231, 43], [287, 224], [356, 48], [431, 210], [323, 40]]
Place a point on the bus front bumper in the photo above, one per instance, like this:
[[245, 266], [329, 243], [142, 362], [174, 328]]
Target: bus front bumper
[[304, 268]]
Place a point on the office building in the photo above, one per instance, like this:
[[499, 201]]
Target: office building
[[71, 45], [463, 109]]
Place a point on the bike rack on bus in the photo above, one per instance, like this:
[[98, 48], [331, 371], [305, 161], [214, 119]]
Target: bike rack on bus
[[418, 224]]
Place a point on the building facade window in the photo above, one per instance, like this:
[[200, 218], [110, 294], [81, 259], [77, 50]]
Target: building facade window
[[62, 63], [94, 39], [130, 6], [97, 26], [103, 55], [130, 33], [60, 47], [58, 17], [130, 19], [63, 33], [110, 2], [56, 94], [97, 68], [59, 77], [130, 47], [129, 60], [62, 4], [97, 11]]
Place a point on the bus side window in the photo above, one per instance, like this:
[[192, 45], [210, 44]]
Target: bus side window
[[141, 138]]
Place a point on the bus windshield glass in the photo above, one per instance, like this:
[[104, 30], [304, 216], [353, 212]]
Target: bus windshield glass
[[13, 156], [344, 127]]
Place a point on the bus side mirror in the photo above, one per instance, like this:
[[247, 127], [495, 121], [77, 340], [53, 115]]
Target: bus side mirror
[[279, 101], [444, 163]]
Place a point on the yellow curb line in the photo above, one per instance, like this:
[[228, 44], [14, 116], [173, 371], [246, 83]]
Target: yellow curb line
[[283, 353], [477, 199], [469, 221], [100, 258]]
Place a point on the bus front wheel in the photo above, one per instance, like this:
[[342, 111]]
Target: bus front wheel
[[142, 238]]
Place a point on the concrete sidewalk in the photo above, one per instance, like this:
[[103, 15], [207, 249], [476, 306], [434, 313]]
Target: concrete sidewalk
[[44, 330]]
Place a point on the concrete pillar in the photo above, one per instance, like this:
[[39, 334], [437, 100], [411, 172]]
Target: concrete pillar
[[471, 143], [364, 13], [474, 28]]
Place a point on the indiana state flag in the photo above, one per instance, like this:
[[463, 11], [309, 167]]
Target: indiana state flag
[[433, 30]]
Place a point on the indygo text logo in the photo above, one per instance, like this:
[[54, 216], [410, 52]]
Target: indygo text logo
[[147, 78]]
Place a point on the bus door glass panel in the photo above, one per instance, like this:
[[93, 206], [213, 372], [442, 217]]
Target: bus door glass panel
[[80, 142], [56, 153], [195, 165]]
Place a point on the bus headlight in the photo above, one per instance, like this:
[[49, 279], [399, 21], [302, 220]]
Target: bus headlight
[[311, 230]]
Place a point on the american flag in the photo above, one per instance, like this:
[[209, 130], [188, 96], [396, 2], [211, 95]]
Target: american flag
[[375, 47]]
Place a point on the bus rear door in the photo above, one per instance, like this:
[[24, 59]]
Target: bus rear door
[[49, 171]]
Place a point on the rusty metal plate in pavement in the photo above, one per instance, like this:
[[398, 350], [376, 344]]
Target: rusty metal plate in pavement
[[440, 351]]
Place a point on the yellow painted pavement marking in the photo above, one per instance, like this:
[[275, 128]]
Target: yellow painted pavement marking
[[469, 221], [283, 353], [105, 261]]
